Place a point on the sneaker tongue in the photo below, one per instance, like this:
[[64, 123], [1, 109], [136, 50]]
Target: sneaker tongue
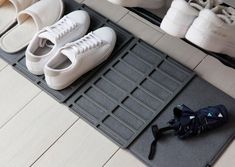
[[48, 36], [69, 53]]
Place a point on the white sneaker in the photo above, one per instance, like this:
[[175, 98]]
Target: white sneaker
[[79, 57], [149, 4], [214, 30], [182, 13], [49, 40]]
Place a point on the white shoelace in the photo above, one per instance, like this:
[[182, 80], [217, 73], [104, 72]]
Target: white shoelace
[[62, 27], [59, 30], [86, 43], [202, 4], [227, 15]]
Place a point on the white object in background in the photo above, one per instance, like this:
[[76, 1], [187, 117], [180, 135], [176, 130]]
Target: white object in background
[[9, 10], [214, 30], [30, 21], [181, 15], [149, 4], [49, 40], [79, 57]]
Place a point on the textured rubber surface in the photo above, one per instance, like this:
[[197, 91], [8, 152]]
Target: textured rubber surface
[[196, 151], [123, 98], [123, 37]]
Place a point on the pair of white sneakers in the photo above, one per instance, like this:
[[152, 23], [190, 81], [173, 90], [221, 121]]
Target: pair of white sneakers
[[63, 53], [206, 23]]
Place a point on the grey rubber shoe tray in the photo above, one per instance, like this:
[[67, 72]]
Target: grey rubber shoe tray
[[199, 151]]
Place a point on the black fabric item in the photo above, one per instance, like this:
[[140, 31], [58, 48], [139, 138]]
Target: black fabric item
[[157, 133], [187, 123]]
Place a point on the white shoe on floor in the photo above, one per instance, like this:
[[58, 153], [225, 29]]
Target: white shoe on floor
[[79, 57], [182, 13], [49, 40], [214, 30], [149, 4]]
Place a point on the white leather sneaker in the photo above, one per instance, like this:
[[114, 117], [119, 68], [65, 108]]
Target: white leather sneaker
[[149, 4], [214, 30], [49, 40], [79, 57], [182, 13]]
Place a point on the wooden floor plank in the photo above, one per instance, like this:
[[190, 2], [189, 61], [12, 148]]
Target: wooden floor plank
[[29, 134], [3, 64], [16, 92], [124, 158], [81, 146], [180, 51], [113, 12], [141, 29], [219, 75]]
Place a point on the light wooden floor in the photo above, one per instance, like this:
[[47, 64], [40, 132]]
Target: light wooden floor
[[37, 131]]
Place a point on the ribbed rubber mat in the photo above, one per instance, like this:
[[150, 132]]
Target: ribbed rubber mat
[[97, 21], [123, 98], [200, 151]]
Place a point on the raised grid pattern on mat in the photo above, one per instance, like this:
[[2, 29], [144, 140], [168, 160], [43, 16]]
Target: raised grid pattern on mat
[[130, 92]]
